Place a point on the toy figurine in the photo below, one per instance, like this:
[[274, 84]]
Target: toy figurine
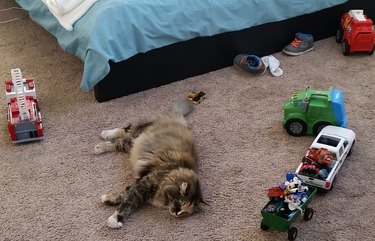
[[293, 184], [196, 97]]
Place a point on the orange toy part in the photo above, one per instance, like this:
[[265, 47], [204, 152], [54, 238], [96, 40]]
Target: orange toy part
[[313, 154], [325, 157], [275, 192], [321, 156]]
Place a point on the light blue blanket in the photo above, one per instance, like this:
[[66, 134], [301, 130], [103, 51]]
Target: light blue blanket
[[119, 29]]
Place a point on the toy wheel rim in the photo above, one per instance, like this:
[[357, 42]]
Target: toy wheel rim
[[292, 233], [296, 127], [309, 213]]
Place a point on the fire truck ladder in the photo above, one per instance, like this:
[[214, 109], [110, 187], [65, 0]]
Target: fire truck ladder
[[20, 93]]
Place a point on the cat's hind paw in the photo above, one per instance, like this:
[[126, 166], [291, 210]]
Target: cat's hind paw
[[110, 199], [103, 147], [104, 198], [112, 134], [113, 222]]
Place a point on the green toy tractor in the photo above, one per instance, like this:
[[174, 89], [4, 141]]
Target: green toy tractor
[[309, 111]]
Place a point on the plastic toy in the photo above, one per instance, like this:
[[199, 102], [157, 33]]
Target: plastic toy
[[309, 111], [325, 157], [286, 203], [196, 97], [23, 113], [356, 32]]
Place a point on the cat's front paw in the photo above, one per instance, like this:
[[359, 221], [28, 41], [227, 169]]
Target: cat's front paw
[[104, 198], [110, 199], [113, 222], [102, 147]]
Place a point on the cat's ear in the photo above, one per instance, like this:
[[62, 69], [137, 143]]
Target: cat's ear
[[184, 188]]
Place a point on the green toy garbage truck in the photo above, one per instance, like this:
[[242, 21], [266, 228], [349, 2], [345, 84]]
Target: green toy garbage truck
[[309, 111]]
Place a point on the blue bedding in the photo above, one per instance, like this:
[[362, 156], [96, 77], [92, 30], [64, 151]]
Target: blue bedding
[[119, 29]]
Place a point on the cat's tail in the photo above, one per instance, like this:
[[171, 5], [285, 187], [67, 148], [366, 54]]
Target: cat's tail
[[183, 107]]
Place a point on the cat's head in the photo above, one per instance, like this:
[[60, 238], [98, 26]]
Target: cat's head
[[184, 193]]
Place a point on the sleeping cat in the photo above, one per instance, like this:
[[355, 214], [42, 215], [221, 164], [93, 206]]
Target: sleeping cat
[[164, 159]]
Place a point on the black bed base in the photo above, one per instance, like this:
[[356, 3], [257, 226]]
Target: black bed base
[[204, 54]]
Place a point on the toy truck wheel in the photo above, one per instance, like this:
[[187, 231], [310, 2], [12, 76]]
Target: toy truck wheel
[[339, 34], [345, 47], [319, 126], [292, 233], [325, 191], [351, 149], [296, 127], [308, 214], [263, 226], [333, 184], [372, 51]]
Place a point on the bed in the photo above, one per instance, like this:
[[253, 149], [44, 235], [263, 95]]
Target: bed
[[129, 46]]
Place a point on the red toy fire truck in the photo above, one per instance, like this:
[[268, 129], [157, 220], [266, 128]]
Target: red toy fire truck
[[23, 114], [356, 32]]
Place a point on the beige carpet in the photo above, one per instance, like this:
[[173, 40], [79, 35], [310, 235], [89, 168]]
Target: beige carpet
[[50, 190]]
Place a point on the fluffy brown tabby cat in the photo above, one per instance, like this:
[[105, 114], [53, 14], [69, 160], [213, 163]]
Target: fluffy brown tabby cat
[[165, 164]]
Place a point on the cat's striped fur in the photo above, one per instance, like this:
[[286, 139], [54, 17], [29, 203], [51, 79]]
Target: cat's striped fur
[[165, 164]]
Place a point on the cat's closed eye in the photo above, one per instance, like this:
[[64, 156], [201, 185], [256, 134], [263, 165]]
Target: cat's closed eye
[[173, 192]]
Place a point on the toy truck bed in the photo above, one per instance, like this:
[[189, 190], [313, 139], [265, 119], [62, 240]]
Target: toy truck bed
[[337, 143]]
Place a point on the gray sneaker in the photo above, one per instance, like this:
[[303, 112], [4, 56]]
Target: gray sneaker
[[301, 44], [250, 63]]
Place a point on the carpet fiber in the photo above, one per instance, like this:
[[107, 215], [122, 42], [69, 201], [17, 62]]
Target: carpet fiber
[[50, 190]]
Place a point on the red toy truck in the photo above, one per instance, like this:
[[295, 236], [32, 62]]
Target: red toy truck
[[356, 33], [23, 115]]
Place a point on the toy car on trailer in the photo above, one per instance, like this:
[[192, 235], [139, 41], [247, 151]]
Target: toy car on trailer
[[23, 114], [325, 157], [356, 32], [286, 204], [308, 111]]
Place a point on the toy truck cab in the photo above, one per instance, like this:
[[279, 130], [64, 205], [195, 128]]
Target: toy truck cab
[[356, 32], [325, 157], [309, 111]]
